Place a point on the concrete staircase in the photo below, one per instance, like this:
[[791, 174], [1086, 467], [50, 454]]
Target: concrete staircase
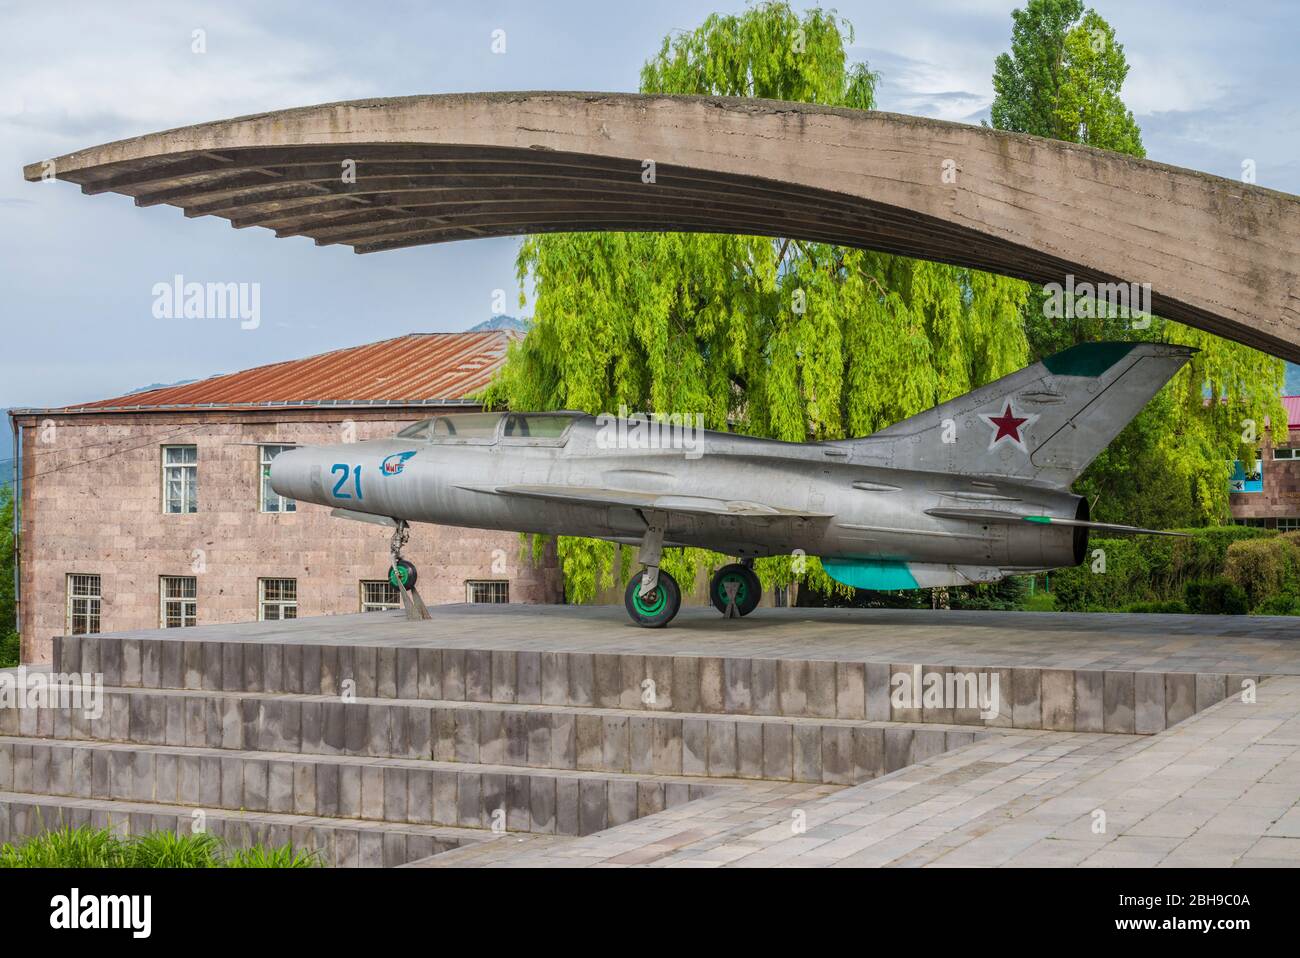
[[382, 754]]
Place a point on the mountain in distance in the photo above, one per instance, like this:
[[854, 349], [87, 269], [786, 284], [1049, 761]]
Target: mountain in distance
[[502, 322]]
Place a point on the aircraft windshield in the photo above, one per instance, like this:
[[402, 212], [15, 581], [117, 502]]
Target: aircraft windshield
[[483, 426]]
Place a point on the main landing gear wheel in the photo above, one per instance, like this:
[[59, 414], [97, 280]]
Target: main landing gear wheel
[[406, 571], [735, 590], [657, 607]]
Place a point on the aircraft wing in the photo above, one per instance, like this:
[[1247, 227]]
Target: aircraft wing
[[989, 515], [700, 505]]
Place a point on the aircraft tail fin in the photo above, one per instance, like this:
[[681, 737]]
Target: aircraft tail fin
[[1044, 423]]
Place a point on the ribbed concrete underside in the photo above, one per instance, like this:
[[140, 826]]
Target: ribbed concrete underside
[[1218, 254]]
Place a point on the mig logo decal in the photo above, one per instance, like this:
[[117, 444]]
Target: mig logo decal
[[394, 464], [1009, 426]]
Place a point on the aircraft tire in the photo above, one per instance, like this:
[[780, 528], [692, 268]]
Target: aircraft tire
[[408, 575], [658, 608], [747, 595]]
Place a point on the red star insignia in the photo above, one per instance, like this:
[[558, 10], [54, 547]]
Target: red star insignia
[[1008, 426]]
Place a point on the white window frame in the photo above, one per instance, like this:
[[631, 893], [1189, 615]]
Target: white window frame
[[1288, 523], [372, 604], [490, 586], [265, 494], [187, 473], [1290, 453], [93, 599], [281, 605], [186, 606]]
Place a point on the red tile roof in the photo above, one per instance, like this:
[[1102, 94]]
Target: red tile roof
[[1292, 404], [421, 368]]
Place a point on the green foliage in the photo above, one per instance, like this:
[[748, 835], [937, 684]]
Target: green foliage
[[8, 633], [1168, 607], [1140, 570], [1279, 605], [1265, 568], [776, 338], [1216, 597], [84, 847], [1169, 467], [169, 850], [1039, 602]]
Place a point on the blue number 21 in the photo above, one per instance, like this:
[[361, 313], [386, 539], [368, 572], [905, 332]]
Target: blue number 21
[[342, 471]]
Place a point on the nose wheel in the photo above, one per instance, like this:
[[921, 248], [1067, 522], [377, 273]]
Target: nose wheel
[[735, 590], [402, 575]]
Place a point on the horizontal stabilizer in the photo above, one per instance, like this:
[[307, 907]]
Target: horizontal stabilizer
[[989, 515]]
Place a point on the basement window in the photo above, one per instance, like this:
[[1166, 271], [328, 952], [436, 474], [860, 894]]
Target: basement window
[[180, 466], [84, 602], [178, 597], [271, 500], [379, 595], [487, 591], [277, 599]]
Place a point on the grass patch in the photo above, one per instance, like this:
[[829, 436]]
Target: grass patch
[[85, 847]]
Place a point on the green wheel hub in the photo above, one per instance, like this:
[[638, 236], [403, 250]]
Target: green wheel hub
[[651, 604], [399, 577], [742, 587]]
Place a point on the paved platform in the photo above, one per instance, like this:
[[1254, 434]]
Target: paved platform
[[535, 735], [1186, 643], [1221, 789]]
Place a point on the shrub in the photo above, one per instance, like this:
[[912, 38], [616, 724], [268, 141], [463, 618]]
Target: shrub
[[1216, 597], [8, 650], [1263, 568], [1167, 607], [1039, 602], [1279, 605]]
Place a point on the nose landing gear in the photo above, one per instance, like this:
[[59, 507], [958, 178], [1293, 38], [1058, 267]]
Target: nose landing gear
[[402, 574]]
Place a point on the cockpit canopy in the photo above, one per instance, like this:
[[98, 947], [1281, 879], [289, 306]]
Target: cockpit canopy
[[484, 427]]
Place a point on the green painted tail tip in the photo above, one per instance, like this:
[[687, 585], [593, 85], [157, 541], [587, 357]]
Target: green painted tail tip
[[1088, 359], [1038, 518]]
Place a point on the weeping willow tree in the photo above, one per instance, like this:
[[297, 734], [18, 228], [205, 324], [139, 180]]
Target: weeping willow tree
[[1062, 79], [767, 337]]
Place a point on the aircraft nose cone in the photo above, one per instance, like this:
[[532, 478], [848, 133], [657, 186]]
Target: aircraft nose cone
[[291, 472]]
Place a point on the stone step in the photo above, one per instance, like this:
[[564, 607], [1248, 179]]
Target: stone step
[[1091, 700], [832, 751], [340, 842], [341, 786]]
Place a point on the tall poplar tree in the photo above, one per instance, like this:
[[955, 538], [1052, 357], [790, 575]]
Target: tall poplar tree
[[1062, 79]]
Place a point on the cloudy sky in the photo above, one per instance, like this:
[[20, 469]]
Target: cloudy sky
[[1211, 83]]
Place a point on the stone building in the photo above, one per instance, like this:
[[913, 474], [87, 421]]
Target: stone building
[[1271, 497], [152, 509]]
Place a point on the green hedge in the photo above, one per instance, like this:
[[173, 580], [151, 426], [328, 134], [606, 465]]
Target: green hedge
[[1153, 569]]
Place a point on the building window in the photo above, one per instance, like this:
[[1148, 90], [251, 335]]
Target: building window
[[180, 479], [277, 599], [179, 600], [271, 501], [1288, 524], [379, 595], [1286, 453], [780, 596], [1253, 523], [84, 600], [483, 590]]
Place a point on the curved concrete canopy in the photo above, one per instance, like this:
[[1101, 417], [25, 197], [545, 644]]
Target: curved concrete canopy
[[1219, 254]]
